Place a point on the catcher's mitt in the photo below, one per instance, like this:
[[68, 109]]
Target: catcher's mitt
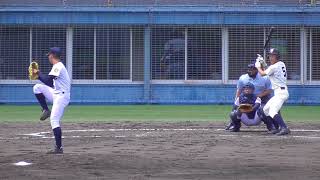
[[245, 108], [32, 66]]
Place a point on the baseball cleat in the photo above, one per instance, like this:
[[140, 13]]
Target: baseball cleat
[[235, 130], [283, 131], [229, 126], [56, 151], [274, 131], [45, 114]]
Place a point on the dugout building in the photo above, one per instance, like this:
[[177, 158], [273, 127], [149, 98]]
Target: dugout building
[[157, 51]]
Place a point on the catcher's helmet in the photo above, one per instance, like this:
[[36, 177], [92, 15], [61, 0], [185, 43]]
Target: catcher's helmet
[[251, 66], [249, 85], [274, 51]]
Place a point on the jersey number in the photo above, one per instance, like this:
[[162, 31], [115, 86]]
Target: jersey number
[[284, 72]]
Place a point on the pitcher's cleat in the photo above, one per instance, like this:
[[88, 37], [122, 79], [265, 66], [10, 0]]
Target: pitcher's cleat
[[56, 151], [45, 114]]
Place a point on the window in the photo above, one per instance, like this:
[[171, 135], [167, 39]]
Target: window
[[102, 53], [83, 53], [315, 55], [204, 53], [168, 53], [245, 42], [113, 53], [138, 53], [14, 52], [287, 40], [44, 38]]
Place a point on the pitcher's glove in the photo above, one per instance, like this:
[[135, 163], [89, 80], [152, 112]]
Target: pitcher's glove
[[33, 70], [245, 108]]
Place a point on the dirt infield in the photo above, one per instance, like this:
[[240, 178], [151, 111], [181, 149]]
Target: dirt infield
[[159, 151]]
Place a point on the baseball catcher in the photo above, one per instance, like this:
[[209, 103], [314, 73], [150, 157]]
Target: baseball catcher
[[245, 108]]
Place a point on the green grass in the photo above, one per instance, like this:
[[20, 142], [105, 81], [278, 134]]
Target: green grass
[[149, 113]]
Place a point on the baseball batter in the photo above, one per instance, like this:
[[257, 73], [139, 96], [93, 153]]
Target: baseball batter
[[56, 89], [277, 73]]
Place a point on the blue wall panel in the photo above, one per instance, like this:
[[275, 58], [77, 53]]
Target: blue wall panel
[[190, 94], [259, 15], [114, 94], [223, 94], [160, 94], [117, 94]]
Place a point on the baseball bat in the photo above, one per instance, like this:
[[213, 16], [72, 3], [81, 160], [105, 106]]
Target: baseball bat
[[268, 38]]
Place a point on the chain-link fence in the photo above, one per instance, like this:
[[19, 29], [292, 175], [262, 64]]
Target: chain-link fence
[[116, 52]]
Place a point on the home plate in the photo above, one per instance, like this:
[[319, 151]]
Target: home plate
[[22, 163]]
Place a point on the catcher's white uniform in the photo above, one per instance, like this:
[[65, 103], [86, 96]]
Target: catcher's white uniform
[[59, 96], [278, 77]]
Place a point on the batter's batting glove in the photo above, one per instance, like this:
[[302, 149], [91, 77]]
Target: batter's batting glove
[[261, 60], [257, 64]]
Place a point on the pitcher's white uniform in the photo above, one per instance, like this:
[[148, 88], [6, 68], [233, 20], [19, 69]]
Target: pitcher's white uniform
[[59, 96], [278, 77]]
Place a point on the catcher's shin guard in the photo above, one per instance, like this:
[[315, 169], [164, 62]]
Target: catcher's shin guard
[[235, 120]]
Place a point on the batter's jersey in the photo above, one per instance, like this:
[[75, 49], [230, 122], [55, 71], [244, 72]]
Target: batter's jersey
[[62, 81], [277, 73]]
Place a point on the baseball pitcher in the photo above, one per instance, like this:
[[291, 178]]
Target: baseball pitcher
[[55, 89]]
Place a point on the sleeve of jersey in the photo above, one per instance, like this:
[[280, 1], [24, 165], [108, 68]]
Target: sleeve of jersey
[[46, 79], [270, 70], [55, 71], [239, 83]]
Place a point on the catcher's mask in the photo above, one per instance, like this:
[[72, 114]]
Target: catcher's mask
[[252, 70], [248, 88]]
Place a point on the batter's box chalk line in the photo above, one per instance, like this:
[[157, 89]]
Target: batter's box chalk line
[[147, 131]]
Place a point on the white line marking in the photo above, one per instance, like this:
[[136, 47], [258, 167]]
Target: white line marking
[[294, 130], [271, 136], [149, 130], [143, 134], [120, 136]]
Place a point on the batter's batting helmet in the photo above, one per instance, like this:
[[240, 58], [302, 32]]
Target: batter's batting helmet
[[274, 51]]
